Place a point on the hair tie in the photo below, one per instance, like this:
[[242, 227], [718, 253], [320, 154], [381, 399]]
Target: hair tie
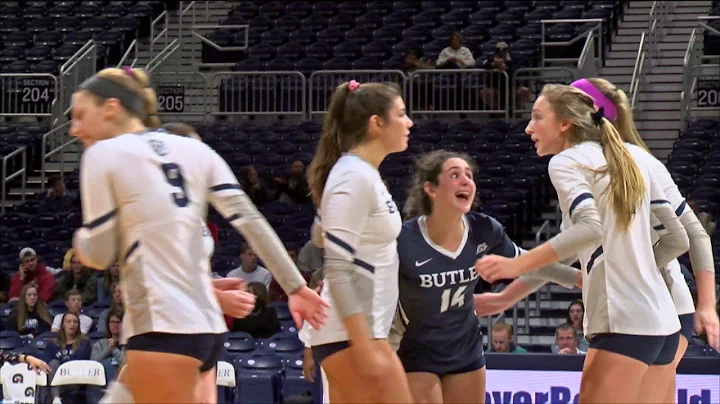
[[598, 116], [129, 71], [353, 85]]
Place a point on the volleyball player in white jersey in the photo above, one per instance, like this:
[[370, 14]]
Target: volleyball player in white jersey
[[144, 197], [630, 317], [365, 122]]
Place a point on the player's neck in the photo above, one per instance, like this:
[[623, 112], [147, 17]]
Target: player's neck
[[445, 230], [130, 126], [370, 152]]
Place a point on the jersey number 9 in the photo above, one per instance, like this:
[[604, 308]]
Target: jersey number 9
[[174, 177]]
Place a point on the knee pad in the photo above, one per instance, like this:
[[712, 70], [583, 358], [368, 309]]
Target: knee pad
[[117, 393]]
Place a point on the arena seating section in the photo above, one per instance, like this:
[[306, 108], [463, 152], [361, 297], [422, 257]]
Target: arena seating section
[[308, 36], [38, 36]]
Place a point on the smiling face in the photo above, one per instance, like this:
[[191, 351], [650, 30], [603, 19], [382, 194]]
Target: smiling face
[[546, 130], [456, 188]]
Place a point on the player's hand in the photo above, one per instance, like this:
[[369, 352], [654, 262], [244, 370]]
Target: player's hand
[[306, 304], [319, 287], [706, 322], [228, 284], [493, 268], [488, 304], [308, 365], [235, 303], [37, 365]]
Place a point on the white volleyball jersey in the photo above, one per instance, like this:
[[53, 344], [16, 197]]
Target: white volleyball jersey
[[623, 290], [671, 273], [208, 245], [153, 189], [361, 223]]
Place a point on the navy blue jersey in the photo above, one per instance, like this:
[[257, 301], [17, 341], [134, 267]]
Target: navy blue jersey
[[442, 332]]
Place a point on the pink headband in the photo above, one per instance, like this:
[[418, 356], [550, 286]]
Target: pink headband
[[353, 85], [600, 99]]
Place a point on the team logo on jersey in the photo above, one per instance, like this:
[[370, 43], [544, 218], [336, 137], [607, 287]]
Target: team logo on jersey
[[419, 263], [481, 248]]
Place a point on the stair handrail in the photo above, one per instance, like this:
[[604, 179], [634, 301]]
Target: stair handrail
[[694, 63], [638, 71], [195, 30], [169, 46], [131, 49], [598, 29], [6, 178], [587, 64]]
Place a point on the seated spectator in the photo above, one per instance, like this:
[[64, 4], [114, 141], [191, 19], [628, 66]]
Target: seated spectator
[[311, 258], [455, 56], [502, 339], [575, 314], [73, 301], [249, 270], [108, 351], [31, 316], [57, 199], [293, 187], [252, 186], [705, 218], [413, 62], [277, 294], [31, 270], [566, 339], [263, 321], [69, 345], [494, 95], [117, 305], [77, 276], [111, 277]]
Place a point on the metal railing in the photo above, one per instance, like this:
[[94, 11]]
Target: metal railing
[[260, 93], [9, 176], [588, 63], [637, 76], [198, 31], [31, 94], [160, 39], [596, 30], [647, 49], [181, 94], [459, 91], [701, 74], [80, 67], [125, 59], [321, 84], [533, 79], [56, 141]]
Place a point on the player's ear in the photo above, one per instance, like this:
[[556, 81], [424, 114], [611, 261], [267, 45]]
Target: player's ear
[[429, 189], [111, 108]]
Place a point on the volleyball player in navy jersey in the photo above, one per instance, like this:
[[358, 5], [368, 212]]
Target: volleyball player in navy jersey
[[630, 318], [440, 342]]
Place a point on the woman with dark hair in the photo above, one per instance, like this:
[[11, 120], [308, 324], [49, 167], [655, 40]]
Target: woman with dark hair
[[31, 316], [110, 351], [263, 321]]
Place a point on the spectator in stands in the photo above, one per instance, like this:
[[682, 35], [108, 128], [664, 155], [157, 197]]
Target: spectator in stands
[[32, 271], [57, 199], [263, 321], [502, 339], [566, 338], [413, 62], [69, 345], [276, 292], [705, 218], [253, 187], [108, 351], [249, 270], [455, 55], [294, 187], [73, 301], [111, 277], [31, 316], [310, 258], [574, 317], [77, 276], [494, 95], [116, 306]]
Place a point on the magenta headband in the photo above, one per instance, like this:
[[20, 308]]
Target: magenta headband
[[600, 99]]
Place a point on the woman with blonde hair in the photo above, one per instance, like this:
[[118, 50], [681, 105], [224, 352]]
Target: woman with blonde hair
[[30, 317], [172, 314], [608, 197]]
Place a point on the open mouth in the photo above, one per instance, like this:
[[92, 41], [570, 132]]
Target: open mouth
[[463, 196]]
